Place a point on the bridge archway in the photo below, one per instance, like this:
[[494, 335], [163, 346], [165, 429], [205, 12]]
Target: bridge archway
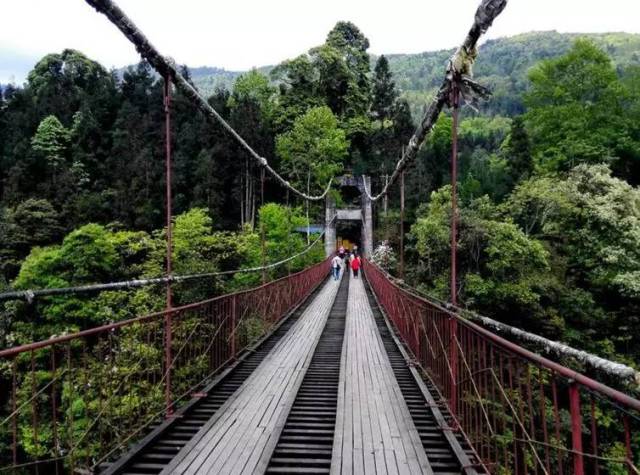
[[351, 223]]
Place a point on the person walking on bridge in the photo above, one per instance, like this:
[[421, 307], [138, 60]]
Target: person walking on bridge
[[355, 265], [335, 267]]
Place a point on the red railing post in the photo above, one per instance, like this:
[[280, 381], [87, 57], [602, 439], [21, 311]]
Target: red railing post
[[14, 409], [233, 325], [576, 428], [627, 443]]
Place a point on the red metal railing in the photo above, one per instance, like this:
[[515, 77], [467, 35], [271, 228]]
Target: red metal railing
[[75, 400], [522, 413]]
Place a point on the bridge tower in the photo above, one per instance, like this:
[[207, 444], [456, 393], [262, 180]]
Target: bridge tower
[[353, 223]]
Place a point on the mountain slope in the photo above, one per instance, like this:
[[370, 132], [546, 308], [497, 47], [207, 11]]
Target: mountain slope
[[502, 65]]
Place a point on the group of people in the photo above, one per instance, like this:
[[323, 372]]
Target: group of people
[[348, 258]]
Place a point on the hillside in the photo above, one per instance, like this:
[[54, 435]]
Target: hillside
[[503, 65]]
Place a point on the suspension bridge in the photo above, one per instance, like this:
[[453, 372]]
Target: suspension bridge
[[308, 374]]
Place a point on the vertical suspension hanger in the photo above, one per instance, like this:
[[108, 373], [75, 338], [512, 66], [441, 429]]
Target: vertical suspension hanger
[[453, 322], [402, 225], [169, 291], [455, 104], [262, 236]]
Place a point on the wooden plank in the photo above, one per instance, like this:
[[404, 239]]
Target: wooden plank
[[377, 433], [240, 437], [461, 455]]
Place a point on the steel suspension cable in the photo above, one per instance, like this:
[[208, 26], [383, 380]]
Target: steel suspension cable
[[458, 72], [167, 68]]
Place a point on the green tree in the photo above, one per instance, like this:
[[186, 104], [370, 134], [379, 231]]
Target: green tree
[[298, 90], [589, 221], [576, 110], [393, 123], [313, 150], [255, 86], [384, 92], [351, 43], [252, 112], [51, 142], [518, 151], [282, 226], [31, 223], [501, 269]]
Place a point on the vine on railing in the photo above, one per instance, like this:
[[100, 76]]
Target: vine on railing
[[522, 413], [72, 401]]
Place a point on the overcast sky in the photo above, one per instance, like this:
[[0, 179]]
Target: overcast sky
[[239, 34]]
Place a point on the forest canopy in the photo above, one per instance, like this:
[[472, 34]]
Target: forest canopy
[[548, 176]]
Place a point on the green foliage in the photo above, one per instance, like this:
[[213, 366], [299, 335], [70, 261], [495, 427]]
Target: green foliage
[[384, 92], [31, 223], [254, 86], [558, 257], [518, 149], [577, 110], [95, 254], [51, 141], [486, 174], [335, 74], [499, 265], [503, 65], [279, 224], [313, 150], [298, 83]]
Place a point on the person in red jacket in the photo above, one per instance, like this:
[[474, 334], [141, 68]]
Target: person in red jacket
[[355, 265]]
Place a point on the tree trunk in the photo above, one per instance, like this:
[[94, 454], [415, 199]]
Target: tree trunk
[[386, 196], [242, 198], [253, 203]]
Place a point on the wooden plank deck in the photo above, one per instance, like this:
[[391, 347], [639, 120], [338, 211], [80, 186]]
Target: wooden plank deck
[[240, 438], [374, 430]]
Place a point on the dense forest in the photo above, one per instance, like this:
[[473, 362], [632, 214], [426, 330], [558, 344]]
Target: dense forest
[[550, 210]]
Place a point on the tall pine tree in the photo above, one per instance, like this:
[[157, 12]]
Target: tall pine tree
[[384, 91], [519, 151]]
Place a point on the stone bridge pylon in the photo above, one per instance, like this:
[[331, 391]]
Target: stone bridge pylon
[[353, 223]]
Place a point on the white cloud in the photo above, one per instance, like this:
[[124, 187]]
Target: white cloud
[[239, 34]]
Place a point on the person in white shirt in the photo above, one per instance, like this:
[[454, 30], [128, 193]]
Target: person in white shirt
[[335, 267]]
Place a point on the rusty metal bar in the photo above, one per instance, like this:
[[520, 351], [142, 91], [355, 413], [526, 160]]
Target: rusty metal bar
[[453, 331], [401, 273], [576, 429], [168, 330]]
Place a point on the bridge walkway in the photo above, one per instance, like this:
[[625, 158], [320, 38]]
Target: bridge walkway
[[375, 432], [236, 438], [333, 395]]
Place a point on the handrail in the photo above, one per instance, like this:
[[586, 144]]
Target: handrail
[[590, 383], [10, 352], [97, 375], [511, 402], [602, 365]]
